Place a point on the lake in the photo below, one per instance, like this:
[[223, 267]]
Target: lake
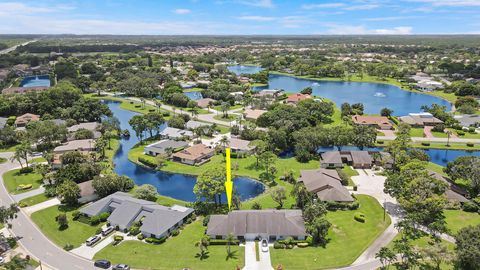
[[34, 81], [240, 69], [374, 96], [175, 185]]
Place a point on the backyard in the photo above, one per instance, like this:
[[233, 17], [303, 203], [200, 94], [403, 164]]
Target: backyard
[[176, 253], [347, 239]]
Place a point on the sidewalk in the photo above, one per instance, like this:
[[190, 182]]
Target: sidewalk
[[28, 194], [43, 205]]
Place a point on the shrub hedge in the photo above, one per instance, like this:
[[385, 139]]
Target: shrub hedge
[[360, 217]]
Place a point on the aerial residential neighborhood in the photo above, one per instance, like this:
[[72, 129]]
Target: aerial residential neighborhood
[[253, 135]]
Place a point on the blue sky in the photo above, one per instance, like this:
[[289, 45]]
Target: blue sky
[[225, 17]]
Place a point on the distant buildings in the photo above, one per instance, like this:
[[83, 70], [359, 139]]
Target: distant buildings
[[258, 224]]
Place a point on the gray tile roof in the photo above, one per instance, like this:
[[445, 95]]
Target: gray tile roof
[[468, 120], [332, 157], [361, 157], [454, 192], [90, 126], [125, 210], [326, 184], [271, 222], [173, 133], [192, 124], [239, 144], [161, 146]]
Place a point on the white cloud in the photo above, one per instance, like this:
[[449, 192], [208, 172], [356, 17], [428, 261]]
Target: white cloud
[[257, 3], [450, 3], [362, 7], [336, 29], [256, 18], [13, 8], [325, 5], [182, 11], [389, 18]]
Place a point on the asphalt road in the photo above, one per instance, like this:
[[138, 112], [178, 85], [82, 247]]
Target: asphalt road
[[32, 239], [7, 50]]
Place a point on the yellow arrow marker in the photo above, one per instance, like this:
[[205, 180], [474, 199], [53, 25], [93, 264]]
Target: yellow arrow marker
[[228, 183]]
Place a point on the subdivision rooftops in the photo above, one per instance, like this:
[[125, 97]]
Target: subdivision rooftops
[[194, 152], [271, 222]]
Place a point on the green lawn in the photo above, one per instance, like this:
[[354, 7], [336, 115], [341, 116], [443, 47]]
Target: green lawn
[[10, 148], [76, 233], [348, 239], [2, 160], [350, 172], [457, 219], [436, 168], [34, 200], [416, 132], [439, 134], [230, 117], [176, 253], [443, 145], [13, 178], [219, 107]]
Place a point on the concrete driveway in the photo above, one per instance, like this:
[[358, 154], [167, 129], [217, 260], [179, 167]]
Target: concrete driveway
[[251, 262]]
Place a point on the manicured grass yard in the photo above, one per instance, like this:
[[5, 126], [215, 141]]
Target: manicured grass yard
[[10, 148], [176, 253], [2, 160], [350, 172], [34, 200], [416, 132], [439, 134], [230, 117], [13, 178], [457, 219], [76, 233], [348, 239]]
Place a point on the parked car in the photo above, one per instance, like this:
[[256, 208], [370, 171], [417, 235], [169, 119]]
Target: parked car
[[2, 260], [264, 245], [102, 264], [121, 267], [107, 230], [92, 240]]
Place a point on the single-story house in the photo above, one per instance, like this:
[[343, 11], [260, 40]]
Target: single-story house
[[175, 133], [295, 98], [160, 147], [92, 126], [468, 120], [252, 114], [240, 146], [3, 122], [378, 122], [23, 120], [331, 159], [192, 124], [156, 220], [326, 184], [420, 119], [205, 102], [454, 192], [269, 93], [194, 155], [361, 159], [23, 90], [258, 224], [76, 145]]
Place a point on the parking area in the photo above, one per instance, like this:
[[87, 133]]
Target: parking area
[[251, 262]]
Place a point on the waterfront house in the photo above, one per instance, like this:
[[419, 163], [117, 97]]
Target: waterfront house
[[295, 98], [155, 220], [175, 133], [240, 146], [161, 147], [194, 155], [378, 122], [258, 224], [75, 145], [331, 159], [326, 184], [420, 119]]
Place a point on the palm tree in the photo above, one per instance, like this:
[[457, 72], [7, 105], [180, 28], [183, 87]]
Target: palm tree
[[230, 240], [22, 152], [100, 145], [224, 141]]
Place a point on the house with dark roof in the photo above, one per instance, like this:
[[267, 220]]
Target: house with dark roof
[[258, 224], [326, 184], [361, 159], [161, 147], [331, 159], [156, 220], [454, 192]]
